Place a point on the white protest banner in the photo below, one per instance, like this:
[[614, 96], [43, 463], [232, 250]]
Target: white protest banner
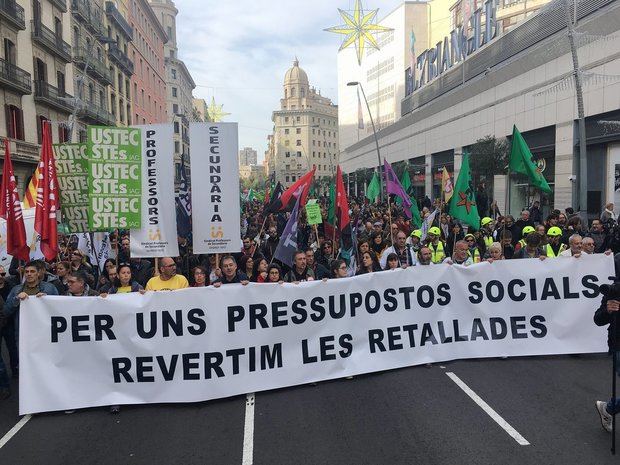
[[96, 246], [215, 187], [198, 344], [72, 172], [158, 235]]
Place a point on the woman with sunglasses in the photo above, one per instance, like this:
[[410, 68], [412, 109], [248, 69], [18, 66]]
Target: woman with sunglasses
[[200, 276], [274, 274], [338, 269]]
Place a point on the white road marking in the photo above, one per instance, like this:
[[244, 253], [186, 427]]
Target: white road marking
[[248, 431], [489, 410], [13, 431]]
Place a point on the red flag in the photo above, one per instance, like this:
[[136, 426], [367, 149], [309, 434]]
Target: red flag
[[288, 198], [11, 211], [47, 198], [342, 204]]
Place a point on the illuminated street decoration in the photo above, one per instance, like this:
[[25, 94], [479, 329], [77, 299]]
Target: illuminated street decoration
[[215, 112], [359, 29]]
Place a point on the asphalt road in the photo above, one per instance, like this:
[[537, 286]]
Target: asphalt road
[[406, 416]]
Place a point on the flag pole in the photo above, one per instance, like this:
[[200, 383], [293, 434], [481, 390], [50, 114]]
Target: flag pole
[[506, 208]]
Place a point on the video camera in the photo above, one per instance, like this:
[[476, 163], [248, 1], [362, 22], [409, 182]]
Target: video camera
[[611, 291]]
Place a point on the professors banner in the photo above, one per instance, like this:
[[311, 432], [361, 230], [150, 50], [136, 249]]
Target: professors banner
[[205, 343], [115, 178], [158, 235], [215, 188], [72, 173]]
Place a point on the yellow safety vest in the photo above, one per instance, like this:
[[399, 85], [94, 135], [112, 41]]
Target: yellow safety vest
[[488, 241], [437, 252], [551, 253], [476, 256]]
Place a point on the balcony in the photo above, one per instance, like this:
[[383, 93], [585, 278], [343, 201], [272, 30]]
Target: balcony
[[116, 16], [13, 13], [60, 4], [91, 113], [96, 67], [15, 78], [118, 56], [48, 39], [49, 95], [90, 14]]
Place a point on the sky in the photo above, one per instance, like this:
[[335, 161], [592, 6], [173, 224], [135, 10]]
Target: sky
[[239, 50]]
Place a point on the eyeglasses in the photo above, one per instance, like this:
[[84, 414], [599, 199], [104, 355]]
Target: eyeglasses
[[343, 267], [168, 266]]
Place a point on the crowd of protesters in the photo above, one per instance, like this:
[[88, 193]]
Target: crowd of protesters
[[383, 239]]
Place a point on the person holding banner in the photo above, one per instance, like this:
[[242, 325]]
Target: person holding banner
[[32, 286], [319, 270], [260, 270], [300, 271], [425, 256], [406, 256], [201, 276], [369, 264], [168, 279], [461, 255], [339, 269], [123, 282], [274, 274], [230, 274]]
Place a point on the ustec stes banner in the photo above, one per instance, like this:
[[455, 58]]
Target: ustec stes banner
[[206, 343]]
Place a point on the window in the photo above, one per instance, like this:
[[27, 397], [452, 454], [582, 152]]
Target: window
[[41, 120], [286, 131], [287, 178], [174, 91], [286, 119], [286, 143], [298, 119], [14, 122], [60, 82], [174, 73], [175, 108], [287, 154], [287, 167], [299, 154], [298, 143], [292, 92], [293, 178], [9, 51], [298, 131], [176, 127], [176, 146]]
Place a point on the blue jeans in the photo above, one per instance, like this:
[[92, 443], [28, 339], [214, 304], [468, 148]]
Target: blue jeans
[[4, 378], [613, 408]]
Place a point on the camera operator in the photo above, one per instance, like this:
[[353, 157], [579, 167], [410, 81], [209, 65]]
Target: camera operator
[[607, 314]]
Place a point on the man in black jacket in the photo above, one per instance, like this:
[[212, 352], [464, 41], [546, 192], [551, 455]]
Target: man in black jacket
[[607, 314]]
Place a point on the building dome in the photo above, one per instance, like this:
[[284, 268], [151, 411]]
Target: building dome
[[296, 75]]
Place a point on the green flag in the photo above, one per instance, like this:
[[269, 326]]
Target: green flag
[[463, 203], [522, 161], [374, 188], [331, 213], [405, 181], [251, 195]]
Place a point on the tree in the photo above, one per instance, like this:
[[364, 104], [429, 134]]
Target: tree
[[488, 157]]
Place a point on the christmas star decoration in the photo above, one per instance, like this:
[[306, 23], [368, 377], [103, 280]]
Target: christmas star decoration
[[215, 112], [465, 202], [359, 29]]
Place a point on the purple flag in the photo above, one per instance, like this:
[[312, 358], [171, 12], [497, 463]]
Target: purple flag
[[394, 186], [288, 241]]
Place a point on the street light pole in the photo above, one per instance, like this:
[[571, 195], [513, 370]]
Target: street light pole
[[374, 132], [582, 174]]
